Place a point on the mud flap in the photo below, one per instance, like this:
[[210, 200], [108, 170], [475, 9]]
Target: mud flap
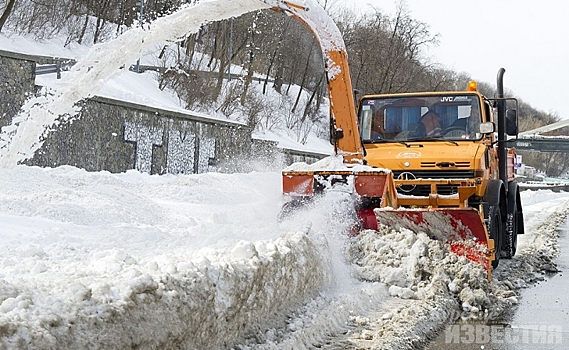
[[514, 221]]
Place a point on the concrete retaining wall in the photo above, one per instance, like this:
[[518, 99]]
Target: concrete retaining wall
[[17, 76], [117, 136], [555, 187]]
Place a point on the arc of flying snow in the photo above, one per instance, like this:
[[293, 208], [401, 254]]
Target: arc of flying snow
[[24, 136]]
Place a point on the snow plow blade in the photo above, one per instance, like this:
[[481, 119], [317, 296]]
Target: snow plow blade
[[447, 219], [462, 228]]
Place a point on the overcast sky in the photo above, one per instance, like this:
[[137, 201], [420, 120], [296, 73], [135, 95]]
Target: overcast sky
[[529, 38]]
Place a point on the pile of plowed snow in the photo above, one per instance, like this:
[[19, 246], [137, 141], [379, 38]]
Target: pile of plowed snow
[[198, 303], [406, 287], [443, 286], [418, 267]]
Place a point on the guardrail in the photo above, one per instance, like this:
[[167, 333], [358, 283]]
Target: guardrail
[[55, 65], [56, 68], [555, 187], [542, 144]]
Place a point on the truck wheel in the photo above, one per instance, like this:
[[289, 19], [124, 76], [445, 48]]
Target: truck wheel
[[291, 207], [494, 230]]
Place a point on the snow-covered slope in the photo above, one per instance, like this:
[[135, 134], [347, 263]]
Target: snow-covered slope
[[99, 70]]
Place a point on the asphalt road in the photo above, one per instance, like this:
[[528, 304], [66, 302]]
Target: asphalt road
[[541, 320]]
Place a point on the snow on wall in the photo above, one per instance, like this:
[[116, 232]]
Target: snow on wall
[[181, 151], [206, 153], [119, 137]]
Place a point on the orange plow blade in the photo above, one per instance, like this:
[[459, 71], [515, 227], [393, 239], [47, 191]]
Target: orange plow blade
[[462, 228]]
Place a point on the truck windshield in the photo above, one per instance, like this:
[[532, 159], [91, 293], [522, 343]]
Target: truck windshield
[[450, 117]]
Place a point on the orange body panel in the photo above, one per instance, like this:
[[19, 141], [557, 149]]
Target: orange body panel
[[511, 164], [372, 186], [298, 184]]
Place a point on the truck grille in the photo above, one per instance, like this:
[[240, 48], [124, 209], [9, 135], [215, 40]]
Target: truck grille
[[454, 164], [425, 190], [437, 174]]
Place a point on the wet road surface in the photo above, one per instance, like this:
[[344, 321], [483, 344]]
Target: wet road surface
[[541, 320]]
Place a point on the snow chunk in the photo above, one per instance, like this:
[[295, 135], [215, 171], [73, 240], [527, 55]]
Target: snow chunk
[[333, 163], [8, 305], [244, 250], [78, 292], [31, 250], [403, 293], [327, 163]]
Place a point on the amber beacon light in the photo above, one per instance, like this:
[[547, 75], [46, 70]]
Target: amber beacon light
[[472, 86]]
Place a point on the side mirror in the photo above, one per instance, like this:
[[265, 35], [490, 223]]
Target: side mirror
[[511, 122], [337, 134], [487, 128]]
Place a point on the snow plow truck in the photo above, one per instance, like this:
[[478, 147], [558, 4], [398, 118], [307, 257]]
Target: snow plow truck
[[434, 162]]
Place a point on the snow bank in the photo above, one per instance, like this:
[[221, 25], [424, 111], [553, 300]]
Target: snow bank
[[132, 260], [208, 302], [125, 260]]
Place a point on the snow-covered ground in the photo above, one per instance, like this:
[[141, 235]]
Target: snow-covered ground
[[100, 260]]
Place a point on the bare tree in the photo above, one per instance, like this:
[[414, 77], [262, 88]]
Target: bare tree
[[386, 53], [251, 55], [7, 11]]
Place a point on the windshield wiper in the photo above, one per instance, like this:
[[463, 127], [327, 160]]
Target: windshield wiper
[[386, 141], [421, 139], [375, 141]]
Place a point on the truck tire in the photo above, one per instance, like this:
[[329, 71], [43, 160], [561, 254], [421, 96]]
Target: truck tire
[[495, 224], [495, 214]]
